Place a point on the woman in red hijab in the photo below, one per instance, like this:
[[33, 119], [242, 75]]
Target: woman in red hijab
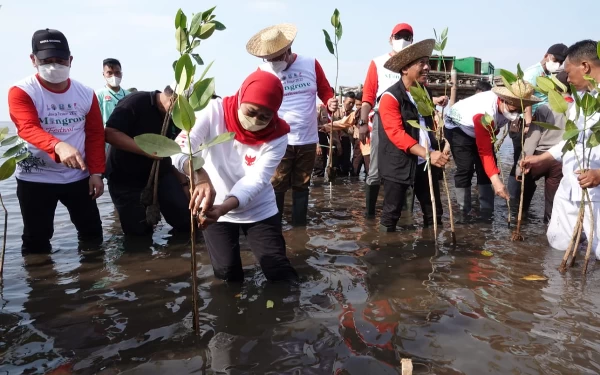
[[233, 189]]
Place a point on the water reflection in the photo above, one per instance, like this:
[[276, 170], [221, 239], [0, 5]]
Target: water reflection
[[365, 301]]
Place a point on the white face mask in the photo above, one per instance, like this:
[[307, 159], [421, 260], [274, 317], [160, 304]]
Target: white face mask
[[400, 44], [250, 123], [278, 66], [54, 73], [552, 66], [510, 116], [113, 81]]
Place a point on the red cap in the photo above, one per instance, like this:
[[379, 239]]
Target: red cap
[[402, 27]]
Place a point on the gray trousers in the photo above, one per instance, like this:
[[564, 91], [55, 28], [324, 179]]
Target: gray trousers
[[373, 177]]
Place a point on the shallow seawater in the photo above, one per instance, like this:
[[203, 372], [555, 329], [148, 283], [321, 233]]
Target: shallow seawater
[[366, 300]]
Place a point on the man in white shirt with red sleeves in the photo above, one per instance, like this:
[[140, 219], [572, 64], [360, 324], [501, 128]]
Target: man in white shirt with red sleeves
[[60, 120], [303, 81], [378, 80]]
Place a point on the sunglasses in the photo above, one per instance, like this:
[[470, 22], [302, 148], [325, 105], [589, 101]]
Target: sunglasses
[[408, 38]]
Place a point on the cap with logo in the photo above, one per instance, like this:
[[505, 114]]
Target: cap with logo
[[402, 27], [559, 51], [50, 43]]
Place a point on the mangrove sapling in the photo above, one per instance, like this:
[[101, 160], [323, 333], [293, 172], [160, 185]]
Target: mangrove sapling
[[332, 47], [188, 99], [13, 155], [440, 45]]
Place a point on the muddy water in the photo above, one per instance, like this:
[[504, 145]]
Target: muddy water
[[366, 300]]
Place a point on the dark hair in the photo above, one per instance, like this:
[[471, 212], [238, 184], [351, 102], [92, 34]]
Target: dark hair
[[350, 94], [168, 91], [584, 50], [483, 86], [111, 63], [359, 95], [562, 77]]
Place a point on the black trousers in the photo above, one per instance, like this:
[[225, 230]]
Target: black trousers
[[321, 160], [38, 203], [344, 162], [132, 214], [467, 160], [266, 242], [394, 197]]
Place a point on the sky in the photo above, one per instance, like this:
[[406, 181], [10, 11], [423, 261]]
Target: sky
[[141, 34]]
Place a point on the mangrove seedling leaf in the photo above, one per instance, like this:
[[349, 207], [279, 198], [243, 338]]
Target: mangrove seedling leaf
[[207, 13], [444, 34], [180, 19], [157, 145], [506, 84], [328, 42], [21, 157], [8, 169], [544, 84], [197, 57], [557, 102], [221, 138], [571, 135], [335, 18], [547, 126], [571, 125], [197, 162], [195, 44], [588, 104], [338, 32], [183, 73], [569, 146], [591, 80], [14, 150], [177, 117], [593, 140], [188, 117], [508, 76], [205, 71], [415, 124], [202, 94], [219, 26], [487, 120], [206, 30], [9, 140], [520, 73], [196, 24], [561, 86], [425, 108], [3, 132], [181, 40]]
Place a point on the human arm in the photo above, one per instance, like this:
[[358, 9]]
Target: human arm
[[485, 148], [95, 151]]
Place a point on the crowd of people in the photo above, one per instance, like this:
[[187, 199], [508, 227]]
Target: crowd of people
[[76, 137]]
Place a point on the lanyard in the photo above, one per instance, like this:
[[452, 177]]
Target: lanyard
[[111, 94]]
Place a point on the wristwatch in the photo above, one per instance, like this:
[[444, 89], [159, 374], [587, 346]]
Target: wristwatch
[[361, 122]]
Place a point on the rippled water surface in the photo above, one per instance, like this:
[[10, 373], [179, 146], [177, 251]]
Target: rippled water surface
[[366, 301]]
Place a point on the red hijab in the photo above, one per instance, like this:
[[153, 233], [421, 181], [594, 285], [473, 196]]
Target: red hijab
[[263, 89]]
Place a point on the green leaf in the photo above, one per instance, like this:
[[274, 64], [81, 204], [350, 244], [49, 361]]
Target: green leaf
[[508, 76], [415, 124], [157, 145], [197, 58], [569, 146], [547, 126], [591, 80], [206, 30], [571, 125], [545, 84], [221, 138], [175, 64], [22, 157], [9, 140], [571, 135], [520, 73], [593, 140], [181, 40], [506, 84], [196, 24], [328, 42], [3, 133], [207, 13], [195, 44], [8, 169], [212, 17], [219, 26], [443, 46], [183, 73], [444, 34], [588, 104], [487, 120], [202, 94], [183, 114], [205, 71], [558, 83], [425, 108], [180, 19], [557, 102], [335, 18], [338, 31], [14, 150], [197, 162]]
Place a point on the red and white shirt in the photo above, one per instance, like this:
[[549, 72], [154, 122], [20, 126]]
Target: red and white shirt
[[302, 82], [44, 118], [378, 79], [235, 169]]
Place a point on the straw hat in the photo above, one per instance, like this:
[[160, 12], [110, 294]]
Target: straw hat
[[409, 54], [272, 41], [519, 90]]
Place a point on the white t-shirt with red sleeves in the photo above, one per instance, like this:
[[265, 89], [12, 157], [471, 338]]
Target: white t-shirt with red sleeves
[[44, 118], [302, 82], [378, 80], [235, 169], [462, 113]]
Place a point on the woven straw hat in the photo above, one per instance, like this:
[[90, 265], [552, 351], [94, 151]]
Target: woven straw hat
[[409, 54], [272, 41], [519, 90]]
